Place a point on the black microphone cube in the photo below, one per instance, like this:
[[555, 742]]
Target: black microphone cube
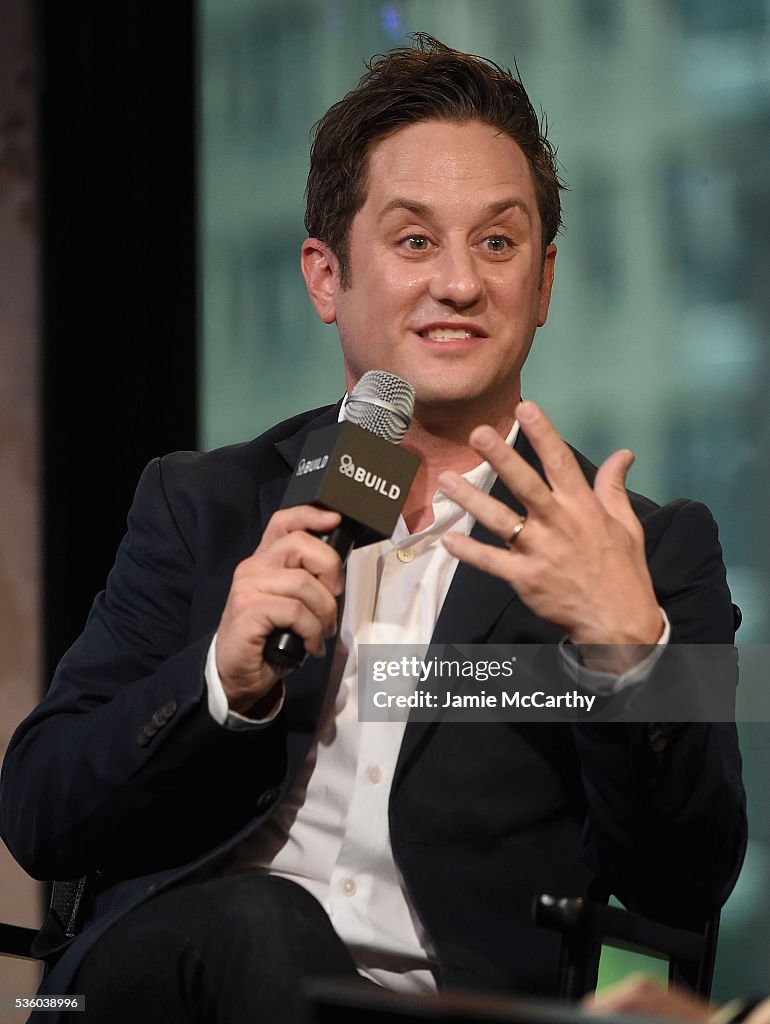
[[354, 472]]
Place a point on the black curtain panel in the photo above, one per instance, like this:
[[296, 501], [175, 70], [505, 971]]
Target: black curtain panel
[[118, 182]]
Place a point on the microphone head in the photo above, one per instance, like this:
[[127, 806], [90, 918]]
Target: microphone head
[[382, 404]]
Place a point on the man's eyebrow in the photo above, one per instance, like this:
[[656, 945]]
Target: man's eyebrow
[[503, 205], [490, 211], [410, 205]]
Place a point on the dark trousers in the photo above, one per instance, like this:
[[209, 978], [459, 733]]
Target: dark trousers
[[230, 950]]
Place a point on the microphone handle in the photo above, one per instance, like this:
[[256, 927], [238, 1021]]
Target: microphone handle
[[284, 649]]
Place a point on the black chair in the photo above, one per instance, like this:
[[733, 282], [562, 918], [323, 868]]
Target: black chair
[[16, 941], [64, 910], [584, 926]]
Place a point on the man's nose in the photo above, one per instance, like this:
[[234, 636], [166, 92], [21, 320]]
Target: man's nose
[[456, 279]]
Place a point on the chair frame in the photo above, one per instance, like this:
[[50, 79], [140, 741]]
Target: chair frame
[[65, 905], [584, 925]]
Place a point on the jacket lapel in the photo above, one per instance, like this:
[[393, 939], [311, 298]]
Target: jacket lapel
[[476, 600]]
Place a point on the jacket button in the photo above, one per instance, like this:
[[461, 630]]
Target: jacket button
[[162, 715], [146, 733], [657, 738], [268, 797]]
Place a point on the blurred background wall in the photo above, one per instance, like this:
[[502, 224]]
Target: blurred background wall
[[20, 579], [98, 314]]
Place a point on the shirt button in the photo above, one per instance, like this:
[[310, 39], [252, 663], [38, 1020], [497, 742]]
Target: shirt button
[[348, 886], [374, 773], [405, 554]]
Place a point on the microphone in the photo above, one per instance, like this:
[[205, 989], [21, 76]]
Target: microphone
[[356, 468]]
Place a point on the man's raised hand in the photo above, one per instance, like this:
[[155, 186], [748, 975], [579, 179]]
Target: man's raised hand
[[577, 558]]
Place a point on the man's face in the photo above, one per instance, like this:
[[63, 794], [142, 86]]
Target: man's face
[[446, 278]]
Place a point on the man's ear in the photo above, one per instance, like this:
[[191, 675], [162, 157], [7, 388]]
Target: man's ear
[[320, 268], [546, 284]]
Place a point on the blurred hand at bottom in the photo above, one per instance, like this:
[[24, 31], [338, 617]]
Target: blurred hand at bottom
[[641, 996]]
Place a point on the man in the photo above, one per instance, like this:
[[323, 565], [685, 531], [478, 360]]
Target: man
[[242, 830]]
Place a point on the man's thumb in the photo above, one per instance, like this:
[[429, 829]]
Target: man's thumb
[[610, 485]]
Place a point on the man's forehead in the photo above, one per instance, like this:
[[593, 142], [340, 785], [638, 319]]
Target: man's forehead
[[462, 153], [430, 163]]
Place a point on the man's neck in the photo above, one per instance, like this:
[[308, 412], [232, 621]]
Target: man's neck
[[440, 448]]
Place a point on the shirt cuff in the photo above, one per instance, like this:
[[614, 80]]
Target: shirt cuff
[[607, 683], [217, 698]]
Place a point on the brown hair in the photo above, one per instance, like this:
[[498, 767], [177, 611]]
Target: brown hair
[[427, 81]]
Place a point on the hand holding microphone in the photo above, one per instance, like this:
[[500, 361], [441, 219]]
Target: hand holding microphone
[[356, 468], [348, 488]]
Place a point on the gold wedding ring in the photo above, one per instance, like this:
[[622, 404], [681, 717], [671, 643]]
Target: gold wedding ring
[[516, 531]]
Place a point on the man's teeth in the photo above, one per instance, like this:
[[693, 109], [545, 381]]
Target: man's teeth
[[446, 334]]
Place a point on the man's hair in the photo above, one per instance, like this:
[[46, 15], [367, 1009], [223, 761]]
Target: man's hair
[[427, 81]]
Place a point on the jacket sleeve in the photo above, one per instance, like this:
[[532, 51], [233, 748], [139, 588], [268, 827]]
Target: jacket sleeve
[[666, 823], [118, 766]]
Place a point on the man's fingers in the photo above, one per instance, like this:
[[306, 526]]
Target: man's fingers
[[610, 487], [562, 471], [521, 479], [298, 549], [496, 516], [252, 594], [293, 613], [303, 551], [258, 603], [488, 559], [560, 465], [241, 638], [300, 517]]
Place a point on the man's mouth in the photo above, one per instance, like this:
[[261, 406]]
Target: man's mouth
[[446, 334]]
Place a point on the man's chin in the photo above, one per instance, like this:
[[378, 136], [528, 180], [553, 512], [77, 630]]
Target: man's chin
[[464, 402], [434, 405], [455, 394]]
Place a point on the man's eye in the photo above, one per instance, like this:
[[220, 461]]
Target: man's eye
[[497, 243], [416, 243]]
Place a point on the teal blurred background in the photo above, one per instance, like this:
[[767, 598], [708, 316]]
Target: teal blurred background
[[658, 334]]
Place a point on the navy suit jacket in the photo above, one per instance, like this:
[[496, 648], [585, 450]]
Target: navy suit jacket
[[122, 775]]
